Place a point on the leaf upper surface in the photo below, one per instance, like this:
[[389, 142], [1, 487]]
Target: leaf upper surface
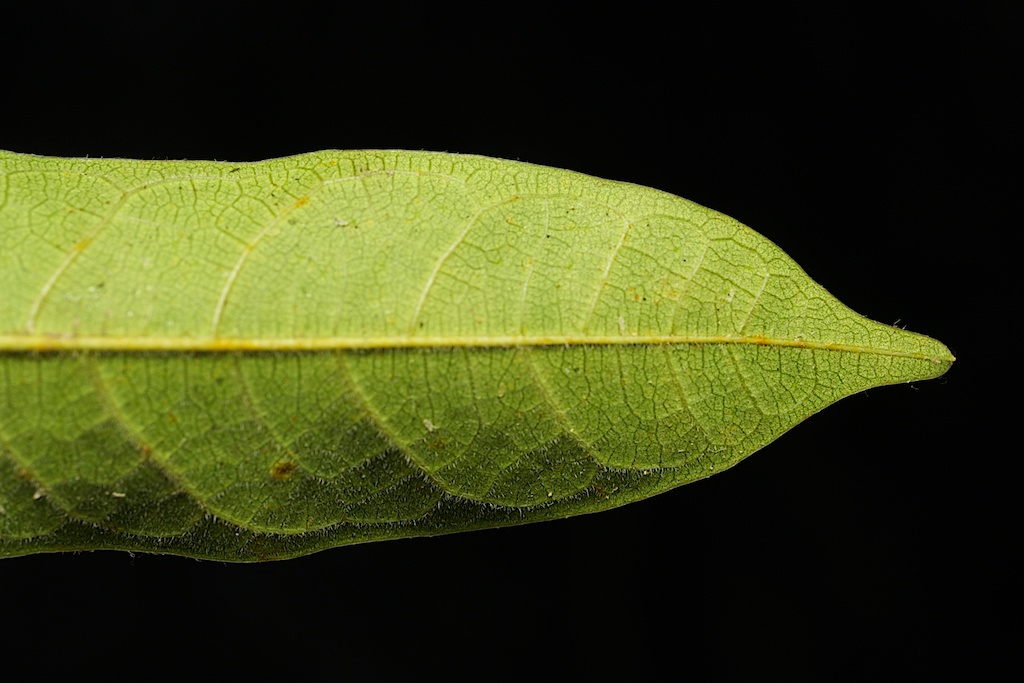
[[259, 360]]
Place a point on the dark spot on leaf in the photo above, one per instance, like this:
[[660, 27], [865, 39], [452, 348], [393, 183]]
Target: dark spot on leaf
[[283, 470]]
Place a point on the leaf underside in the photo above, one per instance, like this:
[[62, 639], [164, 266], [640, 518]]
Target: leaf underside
[[257, 361]]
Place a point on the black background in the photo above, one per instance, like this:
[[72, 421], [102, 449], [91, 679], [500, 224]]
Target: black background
[[878, 537]]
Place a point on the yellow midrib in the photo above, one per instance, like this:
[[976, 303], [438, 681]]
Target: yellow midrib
[[55, 343]]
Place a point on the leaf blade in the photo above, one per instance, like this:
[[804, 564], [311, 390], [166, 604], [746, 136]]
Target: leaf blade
[[294, 350]]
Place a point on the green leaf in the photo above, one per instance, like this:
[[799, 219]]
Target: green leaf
[[261, 360]]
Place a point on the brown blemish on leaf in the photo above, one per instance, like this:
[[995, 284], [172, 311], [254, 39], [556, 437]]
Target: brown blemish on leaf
[[283, 471]]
